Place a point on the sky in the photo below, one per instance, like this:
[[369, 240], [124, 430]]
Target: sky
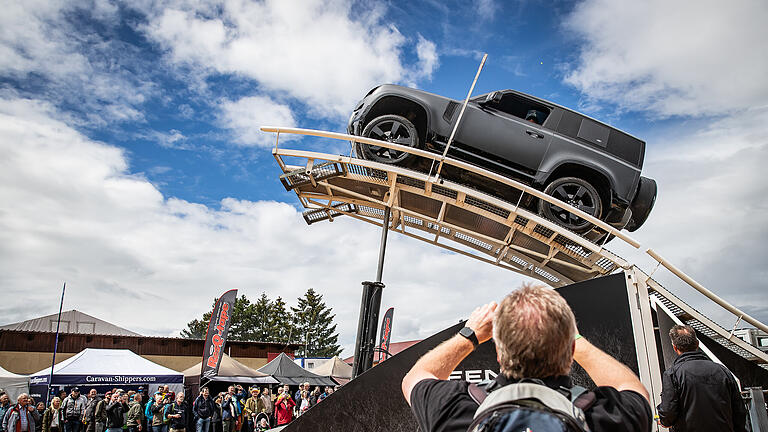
[[133, 169]]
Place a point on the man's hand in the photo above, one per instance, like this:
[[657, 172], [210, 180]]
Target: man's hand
[[441, 361], [481, 321]]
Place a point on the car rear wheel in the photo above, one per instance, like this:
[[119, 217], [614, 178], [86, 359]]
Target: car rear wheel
[[391, 128], [576, 192]]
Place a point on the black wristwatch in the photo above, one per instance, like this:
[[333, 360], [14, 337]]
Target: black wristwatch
[[470, 334]]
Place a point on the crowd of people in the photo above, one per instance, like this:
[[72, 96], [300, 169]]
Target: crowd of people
[[165, 411]]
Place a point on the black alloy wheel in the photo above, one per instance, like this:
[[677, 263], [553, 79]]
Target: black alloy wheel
[[577, 193], [391, 128]]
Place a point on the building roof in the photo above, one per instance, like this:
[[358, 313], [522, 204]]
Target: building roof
[[72, 321]]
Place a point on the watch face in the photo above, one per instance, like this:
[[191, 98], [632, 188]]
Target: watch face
[[469, 334]]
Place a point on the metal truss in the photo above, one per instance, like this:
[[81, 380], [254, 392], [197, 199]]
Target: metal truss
[[477, 225]]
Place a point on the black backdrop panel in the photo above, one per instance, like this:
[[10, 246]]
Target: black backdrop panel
[[665, 325], [374, 402], [749, 373]]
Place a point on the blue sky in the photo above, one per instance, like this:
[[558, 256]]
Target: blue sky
[[133, 166]]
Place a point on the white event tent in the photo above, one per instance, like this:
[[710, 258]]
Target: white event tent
[[13, 384], [105, 369]]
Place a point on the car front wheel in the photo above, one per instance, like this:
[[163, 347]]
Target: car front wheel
[[394, 129], [576, 192]]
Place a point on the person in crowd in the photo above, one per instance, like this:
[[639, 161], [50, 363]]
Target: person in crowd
[[304, 402], [314, 396], [62, 395], [328, 391], [5, 405], [269, 406], [228, 411], [253, 407], [203, 408], [284, 407], [698, 394], [535, 336], [177, 413], [40, 411], [74, 409], [263, 425], [21, 417], [158, 409], [135, 416], [100, 412], [89, 415], [53, 417], [115, 413], [216, 424], [297, 395], [144, 399]]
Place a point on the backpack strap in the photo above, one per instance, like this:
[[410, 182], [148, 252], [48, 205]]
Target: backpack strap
[[582, 398], [477, 394]]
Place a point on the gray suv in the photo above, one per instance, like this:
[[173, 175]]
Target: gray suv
[[579, 160]]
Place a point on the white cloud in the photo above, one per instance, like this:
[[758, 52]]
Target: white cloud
[[74, 212], [428, 58], [244, 117], [43, 46], [710, 217], [486, 8], [319, 52], [672, 58]]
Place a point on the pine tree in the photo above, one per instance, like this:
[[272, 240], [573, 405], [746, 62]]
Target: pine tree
[[260, 317], [279, 322], [316, 332]]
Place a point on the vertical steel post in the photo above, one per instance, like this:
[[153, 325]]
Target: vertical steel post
[[368, 321], [55, 345]]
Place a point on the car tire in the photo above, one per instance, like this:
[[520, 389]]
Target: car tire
[[577, 192], [392, 128]]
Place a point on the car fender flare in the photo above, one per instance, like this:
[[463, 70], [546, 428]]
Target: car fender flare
[[408, 98], [547, 176]]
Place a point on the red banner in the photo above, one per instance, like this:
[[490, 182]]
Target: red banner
[[216, 336], [386, 334]]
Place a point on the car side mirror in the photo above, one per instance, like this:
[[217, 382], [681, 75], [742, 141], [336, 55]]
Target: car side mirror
[[492, 98]]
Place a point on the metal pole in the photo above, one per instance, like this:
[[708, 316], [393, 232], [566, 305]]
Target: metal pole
[[55, 346], [383, 244], [370, 304]]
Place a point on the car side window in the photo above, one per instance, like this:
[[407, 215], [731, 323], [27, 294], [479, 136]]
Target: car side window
[[523, 108]]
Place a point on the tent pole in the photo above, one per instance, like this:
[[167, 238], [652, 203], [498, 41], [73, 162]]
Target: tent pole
[[55, 346]]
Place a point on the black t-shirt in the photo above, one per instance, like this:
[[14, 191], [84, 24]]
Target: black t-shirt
[[446, 406]]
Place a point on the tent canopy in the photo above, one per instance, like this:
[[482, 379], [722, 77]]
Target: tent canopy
[[283, 369], [231, 370], [334, 367], [13, 384], [93, 366]]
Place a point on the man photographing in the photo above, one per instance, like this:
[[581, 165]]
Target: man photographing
[[536, 341]]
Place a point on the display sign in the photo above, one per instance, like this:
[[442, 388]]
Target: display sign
[[216, 336], [386, 334]]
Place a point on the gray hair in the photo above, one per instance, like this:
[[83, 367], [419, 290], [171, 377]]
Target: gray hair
[[683, 337]]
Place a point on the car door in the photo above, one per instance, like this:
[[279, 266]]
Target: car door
[[499, 132]]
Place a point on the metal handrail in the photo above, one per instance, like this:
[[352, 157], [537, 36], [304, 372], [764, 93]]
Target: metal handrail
[[527, 189], [463, 165]]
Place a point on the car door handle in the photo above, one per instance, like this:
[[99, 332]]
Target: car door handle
[[534, 134]]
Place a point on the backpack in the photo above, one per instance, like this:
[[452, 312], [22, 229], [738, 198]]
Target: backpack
[[530, 405]]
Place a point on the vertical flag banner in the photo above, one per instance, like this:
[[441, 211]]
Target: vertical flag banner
[[386, 334], [216, 336]]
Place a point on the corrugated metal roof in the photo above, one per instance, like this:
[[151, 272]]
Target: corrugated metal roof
[[72, 321]]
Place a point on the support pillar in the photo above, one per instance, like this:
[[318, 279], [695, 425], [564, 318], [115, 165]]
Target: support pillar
[[368, 322]]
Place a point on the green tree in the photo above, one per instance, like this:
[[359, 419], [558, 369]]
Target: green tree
[[279, 322], [314, 327], [260, 315], [239, 330]]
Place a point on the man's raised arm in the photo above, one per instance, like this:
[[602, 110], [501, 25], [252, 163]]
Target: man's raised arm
[[441, 361], [606, 370]]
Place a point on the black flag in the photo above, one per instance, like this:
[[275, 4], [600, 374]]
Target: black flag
[[386, 334], [216, 336]]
